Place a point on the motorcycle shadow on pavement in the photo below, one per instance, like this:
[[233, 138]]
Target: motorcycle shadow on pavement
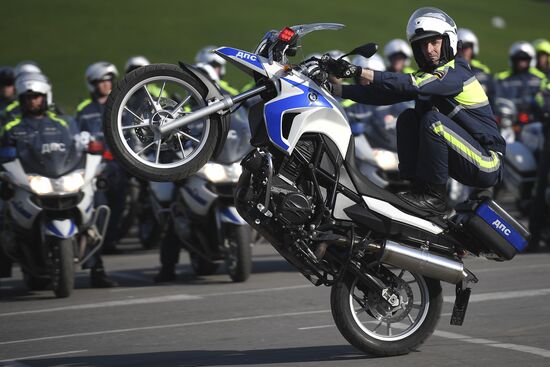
[[200, 358]]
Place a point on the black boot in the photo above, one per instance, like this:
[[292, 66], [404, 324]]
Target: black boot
[[165, 274], [429, 197], [99, 279]]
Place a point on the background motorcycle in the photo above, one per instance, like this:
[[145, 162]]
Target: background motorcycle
[[204, 216], [51, 223], [301, 190]]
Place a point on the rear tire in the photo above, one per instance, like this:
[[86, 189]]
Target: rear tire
[[62, 267], [369, 344], [116, 141], [239, 257]]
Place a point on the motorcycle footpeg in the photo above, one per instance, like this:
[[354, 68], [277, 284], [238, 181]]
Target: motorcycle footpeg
[[461, 305]]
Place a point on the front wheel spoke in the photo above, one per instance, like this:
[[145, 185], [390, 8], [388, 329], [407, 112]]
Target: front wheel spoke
[[180, 105], [137, 126], [416, 307], [146, 147], [388, 328], [401, 273], [410, 318], [181, 147], [190, 137], [132, 112], [377, 326], [161, 91], [153, 103], [157, 155]]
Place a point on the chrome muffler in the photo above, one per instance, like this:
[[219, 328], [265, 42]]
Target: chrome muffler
[[421, 261]]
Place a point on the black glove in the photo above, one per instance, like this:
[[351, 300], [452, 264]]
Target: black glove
[[312, 69], [340, 68]]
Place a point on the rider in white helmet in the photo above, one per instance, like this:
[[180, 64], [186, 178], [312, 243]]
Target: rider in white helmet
[[99, 78], [135, 62], [451, 132], [26, 66], [12, 109], [215, 69], [398, 56], [521, 82], [469, 51]]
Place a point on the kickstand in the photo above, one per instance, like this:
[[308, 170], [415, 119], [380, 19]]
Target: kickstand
[[462, 299]]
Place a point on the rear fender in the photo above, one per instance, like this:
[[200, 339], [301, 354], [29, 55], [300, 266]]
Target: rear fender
[[213, 92]]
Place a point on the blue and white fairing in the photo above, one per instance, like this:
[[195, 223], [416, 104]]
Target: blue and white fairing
[[314, 109]]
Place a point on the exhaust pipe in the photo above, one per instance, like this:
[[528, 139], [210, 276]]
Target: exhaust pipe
[[421, 261]]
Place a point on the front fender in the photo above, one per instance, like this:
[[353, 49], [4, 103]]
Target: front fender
[[65, 228], [231, 215], [213, 92]]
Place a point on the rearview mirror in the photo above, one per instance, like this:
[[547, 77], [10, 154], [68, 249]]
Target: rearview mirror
[[366, 50]]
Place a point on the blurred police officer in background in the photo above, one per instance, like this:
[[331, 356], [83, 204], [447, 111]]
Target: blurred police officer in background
[[398, 56], [99, 78], [522, 81], [469, 51], [542, 48]]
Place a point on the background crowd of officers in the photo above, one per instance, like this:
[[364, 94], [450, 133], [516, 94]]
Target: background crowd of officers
[[26, 101]]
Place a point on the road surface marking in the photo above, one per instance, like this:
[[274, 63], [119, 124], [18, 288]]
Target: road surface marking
[[124, 302], [43, 355], [168, 326], [153, 299]]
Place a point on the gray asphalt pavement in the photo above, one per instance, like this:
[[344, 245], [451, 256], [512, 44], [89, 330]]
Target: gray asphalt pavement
[[274, 319]]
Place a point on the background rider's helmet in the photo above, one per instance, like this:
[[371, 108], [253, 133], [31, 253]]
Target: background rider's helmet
[[522, 50], [505, 111], [135, 62], [429, 22], [398, 46], [99, 71], [209, 71], [542, 45], [34, 83], [468, 38], [336, 54], [7, 76], [206, 56], [375, 62], [26, 67]]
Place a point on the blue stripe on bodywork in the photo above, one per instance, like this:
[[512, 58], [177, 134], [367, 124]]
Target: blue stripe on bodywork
[[248, 57], [491, 218], [231, 215], [275, 110]]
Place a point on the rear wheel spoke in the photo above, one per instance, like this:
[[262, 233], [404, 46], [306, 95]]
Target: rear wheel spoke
[[153, 103], [137, 126], [180, 105], [145, 148], [161, 91], [157, 155], [136, 116], [189, 137], [181, 147]]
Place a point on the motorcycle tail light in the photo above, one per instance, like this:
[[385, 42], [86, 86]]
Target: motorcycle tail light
[[95, 147], [108, 155], [286, 34], [523, 118]]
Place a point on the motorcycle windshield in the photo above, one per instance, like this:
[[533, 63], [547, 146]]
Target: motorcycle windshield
[[237, 144], [50, 155], [304, 29]]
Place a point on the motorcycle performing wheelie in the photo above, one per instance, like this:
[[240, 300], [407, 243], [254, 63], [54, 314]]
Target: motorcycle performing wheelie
[[301, 190]]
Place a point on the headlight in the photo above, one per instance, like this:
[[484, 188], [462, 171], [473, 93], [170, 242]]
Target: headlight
[[216, 172], [72, 182], [40, 185], [385, 159]]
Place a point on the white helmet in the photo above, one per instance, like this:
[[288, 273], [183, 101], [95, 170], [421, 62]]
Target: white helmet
[[428, 22], [467, 36], [135, 62], [375, 62], [26, 67], [206, 56], [522, 48], [209, 71], [101, 70], [336, 54], [398, 46], [34, 83]]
